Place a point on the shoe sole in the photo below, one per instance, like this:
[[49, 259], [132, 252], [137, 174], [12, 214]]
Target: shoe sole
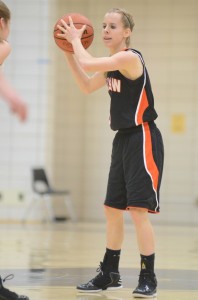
[[144, 296], [100, 290]]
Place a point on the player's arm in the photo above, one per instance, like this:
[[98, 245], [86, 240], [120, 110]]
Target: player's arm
[[4, 51], [123, 60], [15, 102], [87, 84]]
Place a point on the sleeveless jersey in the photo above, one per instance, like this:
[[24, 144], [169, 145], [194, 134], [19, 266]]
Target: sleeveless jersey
[[132, 101]]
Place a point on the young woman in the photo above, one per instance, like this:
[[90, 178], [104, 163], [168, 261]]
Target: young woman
[[17, 106], [137, 154]]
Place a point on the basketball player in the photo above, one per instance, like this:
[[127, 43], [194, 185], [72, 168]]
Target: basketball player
[[137, 154], [17, 106]]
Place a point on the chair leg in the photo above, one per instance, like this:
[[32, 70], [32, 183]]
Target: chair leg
[[70, 208], [47, 204], [47, 208], [28, 210]]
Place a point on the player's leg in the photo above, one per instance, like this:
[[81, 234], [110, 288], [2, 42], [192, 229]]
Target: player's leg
[[144, 230], [114, 228], [109, 277], [147, 286], [143, 165]]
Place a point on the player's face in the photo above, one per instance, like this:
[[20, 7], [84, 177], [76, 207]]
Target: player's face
[[114, 34], [4, 29]]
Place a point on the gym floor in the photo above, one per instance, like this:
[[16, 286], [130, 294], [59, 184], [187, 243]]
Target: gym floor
[[48, 260]]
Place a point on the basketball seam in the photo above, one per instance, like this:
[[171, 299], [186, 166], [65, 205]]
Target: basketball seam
[[59, 38]]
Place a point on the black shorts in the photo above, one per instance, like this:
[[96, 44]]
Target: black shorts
[[136, 168]]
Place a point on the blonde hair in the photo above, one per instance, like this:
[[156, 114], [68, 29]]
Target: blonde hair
[[4, 11], [127, 20]]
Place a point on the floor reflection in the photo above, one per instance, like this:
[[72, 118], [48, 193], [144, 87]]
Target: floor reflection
[[96, 297], [102, 297]]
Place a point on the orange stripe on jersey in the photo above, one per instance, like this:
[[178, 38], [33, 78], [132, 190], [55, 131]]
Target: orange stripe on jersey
[[148, 157], [143, 104]]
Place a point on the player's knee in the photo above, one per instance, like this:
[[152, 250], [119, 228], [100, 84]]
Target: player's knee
[[111, 212], [138, 214]]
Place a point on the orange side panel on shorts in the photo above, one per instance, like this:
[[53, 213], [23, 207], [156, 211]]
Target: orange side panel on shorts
[[150, 163]]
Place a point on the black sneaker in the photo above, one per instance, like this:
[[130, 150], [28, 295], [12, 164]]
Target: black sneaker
[[147, 286], [103, 281], [6, 294]]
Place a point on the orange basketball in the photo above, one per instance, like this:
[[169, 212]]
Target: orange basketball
[[78, 20]]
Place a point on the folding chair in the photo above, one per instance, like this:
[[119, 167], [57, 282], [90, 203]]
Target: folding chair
[[43, 190]]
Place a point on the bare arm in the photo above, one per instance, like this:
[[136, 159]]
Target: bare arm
[[15, 102], [4, 51], [125, 61], [87, 84], [8, 93]]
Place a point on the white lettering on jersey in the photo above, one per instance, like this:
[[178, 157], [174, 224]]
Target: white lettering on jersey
[[114, 84]]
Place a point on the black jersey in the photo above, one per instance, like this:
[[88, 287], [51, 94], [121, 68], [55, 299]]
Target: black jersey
[[132, 101]]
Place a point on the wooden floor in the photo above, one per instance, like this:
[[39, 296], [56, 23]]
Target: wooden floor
[[49, 260]]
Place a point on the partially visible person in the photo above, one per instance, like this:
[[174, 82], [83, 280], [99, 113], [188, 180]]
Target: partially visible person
[[16, 104], [7, 92]]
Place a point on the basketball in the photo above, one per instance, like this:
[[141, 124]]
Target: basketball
[[78, 20]]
